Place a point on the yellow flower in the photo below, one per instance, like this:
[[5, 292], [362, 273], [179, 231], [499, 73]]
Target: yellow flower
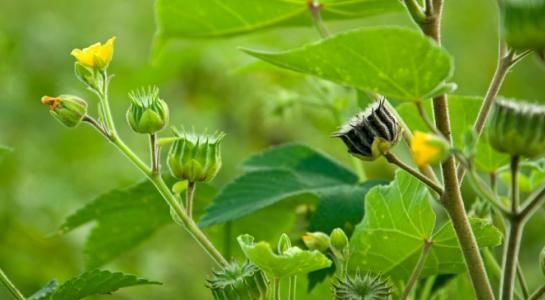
[[428, 148], [97, 55]]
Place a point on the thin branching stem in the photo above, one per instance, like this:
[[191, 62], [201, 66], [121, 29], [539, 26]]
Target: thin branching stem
[[292, 288], [522, 282], [154, 153], [12, 289], [538, 293], [417, 270], [276, 288], [391, 158]]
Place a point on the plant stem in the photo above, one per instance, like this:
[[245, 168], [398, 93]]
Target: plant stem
[[417, 270], [522, 282], [391, 158], [190, 191], [10, 286], [452, 198], [292, 288], [426, 119], [314, 7], [538, 293], [514, 234], [358, 168], [276, 288], [154, 153], [533, 203]]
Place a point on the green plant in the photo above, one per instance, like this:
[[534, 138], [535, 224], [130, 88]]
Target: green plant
[[402, 79]]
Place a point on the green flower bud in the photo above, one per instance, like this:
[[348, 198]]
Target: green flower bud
[[361, 287], [518, 128], [68, 109], [339, 241], [240, 282], [524, 24], [371, 133], [147, 112], [284, 244], [88, 76], [542, 260], [316, 241], [195, 158]]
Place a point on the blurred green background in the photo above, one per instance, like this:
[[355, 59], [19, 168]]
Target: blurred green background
[[52, 171]]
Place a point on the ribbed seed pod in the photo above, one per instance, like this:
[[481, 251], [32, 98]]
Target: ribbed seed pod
[[238, 282], [147, 113], [371, 133], [518, 128], [368, 287]]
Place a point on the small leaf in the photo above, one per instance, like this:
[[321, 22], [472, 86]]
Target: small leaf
[[198, 19], [400, 218], [45, 292], [394, 62], [292, 262], [96, 282]]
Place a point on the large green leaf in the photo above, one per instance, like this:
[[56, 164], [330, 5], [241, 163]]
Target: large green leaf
[[197, 19], [284, 172], [399, 219], [292, 262], [463, 111], [96, 282], [395, 62]]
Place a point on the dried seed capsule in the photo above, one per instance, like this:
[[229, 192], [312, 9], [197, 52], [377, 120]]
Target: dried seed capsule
[[518, 128], [67, 109], [240, 282], [371, 133], [361, 287]]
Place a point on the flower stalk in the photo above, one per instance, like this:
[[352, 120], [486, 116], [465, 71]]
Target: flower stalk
[[15, 293]]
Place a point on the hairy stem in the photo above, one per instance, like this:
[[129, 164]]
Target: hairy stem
[[391, 158], [15, 293], [292, 288], [533, 203], [417, 270], [452, 198], [426, 119], [190, 192]]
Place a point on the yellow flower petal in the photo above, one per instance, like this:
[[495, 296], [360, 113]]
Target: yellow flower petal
[[96, 55], [422, 150]]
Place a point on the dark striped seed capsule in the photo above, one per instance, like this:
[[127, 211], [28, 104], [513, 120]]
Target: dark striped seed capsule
[[371, 133], [518, 128]]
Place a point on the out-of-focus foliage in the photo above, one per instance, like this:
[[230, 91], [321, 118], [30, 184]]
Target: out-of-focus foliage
[[51, 171]]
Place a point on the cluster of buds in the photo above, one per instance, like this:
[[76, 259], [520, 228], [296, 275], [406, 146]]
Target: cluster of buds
[[371, 133], [195, 158], [147, 113], [518, 128], [337, 242]]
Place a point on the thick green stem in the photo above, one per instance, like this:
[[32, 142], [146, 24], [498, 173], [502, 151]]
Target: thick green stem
[[190, 192], [154, 153], [417, 270], [292, 288], [10, 286]]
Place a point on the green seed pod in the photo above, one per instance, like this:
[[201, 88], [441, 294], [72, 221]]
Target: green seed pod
[[147, 113], [339, 241], [371, 133], [518, 128], [524, 24], [238, 282], [358, 287], [316, 241], [195, 158], [68, 109]]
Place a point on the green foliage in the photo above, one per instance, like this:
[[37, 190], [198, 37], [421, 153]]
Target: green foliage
[[463, 111], [394, 62], [291, 262], [94, 282], [287, 171], [223, 18], [45, 292], [391, 236]]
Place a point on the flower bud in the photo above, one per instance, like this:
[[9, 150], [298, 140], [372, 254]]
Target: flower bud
[[523, 24], [235, 281], [361, 287], [68, 109], [371, 133], [428, 148], [195, 158], [316, 241], [339, 240], [542, 260], [284, 244], [517, 128], [147, 113]]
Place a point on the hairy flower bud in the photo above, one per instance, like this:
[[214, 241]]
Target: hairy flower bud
[[339, 241], [241, 282], [361, 287], [518, 128], [195, 158], [524, 24], [68, 109], [147, 113], [316, 241], [428, 148], [371, 133]]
